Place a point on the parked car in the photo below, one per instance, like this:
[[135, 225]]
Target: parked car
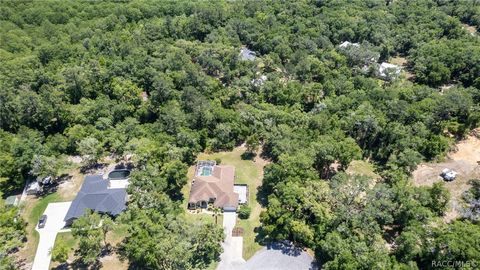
[[33, 188], [45, 181], [448, 175], [42, 221]]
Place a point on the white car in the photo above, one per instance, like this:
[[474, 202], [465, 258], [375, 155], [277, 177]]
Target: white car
[[448, 175]]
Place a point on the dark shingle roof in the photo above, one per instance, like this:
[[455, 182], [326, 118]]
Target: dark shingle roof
[[96, 195]]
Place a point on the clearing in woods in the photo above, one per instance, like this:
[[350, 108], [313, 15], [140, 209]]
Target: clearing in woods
[[464, 161]]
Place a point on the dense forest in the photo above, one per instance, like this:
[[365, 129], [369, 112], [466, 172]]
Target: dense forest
[[162, 81]]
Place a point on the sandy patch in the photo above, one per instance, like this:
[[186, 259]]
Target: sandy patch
[[74, 159], [113, 262], [467, 150], [471, 29], [70, 185], [402, 61], [464, 161]]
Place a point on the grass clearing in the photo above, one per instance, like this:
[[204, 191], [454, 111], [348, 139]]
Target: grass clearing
[[362, 167], [113, 262], [71, 243], [463, 160], [118, 233], [71, 184]]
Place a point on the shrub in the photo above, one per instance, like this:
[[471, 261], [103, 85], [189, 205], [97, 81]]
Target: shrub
[[244, 211], [60, 252]]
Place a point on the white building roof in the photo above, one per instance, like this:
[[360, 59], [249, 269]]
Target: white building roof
[[346, 44], [386, 67]]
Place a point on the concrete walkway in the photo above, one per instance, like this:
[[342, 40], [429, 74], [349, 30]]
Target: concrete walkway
[[55, 213], [231, 257]]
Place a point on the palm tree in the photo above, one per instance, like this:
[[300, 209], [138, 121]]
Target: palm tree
[[216, 213]]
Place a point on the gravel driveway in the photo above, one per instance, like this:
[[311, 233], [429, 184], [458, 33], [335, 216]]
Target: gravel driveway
[[55, 213]]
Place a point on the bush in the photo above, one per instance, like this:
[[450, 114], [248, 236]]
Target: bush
[[244, 212], [60, 252], [218, 161]]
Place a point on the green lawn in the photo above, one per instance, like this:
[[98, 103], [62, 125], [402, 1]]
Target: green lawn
[[113, 237], [362, 167], [204, 217], [41, 205], [67, 238], [33, 210], [246, 172], [70, 242], [118, 233]]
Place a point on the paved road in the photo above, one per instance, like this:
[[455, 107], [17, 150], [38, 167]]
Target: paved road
[[232, 247], [55, 213], [279, 256]]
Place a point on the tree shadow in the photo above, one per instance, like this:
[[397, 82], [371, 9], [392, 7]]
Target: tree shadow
[[262, 195], [92, 167], [261, 238], [248, 155], [124, 166], [47, 189], [314, 265], [286, 248], [266, 153], [78, 264], [107, 250]]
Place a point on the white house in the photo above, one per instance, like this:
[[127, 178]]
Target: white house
[[389, 71], [346, 44]]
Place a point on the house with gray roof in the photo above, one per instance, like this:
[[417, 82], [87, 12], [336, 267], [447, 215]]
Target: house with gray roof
[[95, 194]]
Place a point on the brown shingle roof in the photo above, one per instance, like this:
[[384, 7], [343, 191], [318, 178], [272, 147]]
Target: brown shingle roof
[[219, 185]]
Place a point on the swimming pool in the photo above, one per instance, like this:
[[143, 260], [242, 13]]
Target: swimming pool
[[118, 174], [205, 171]]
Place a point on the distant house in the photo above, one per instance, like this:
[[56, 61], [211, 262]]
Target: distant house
[[362, 55], [214, 184], [95, 194], [347, 44], [246, 54], [389, 71], [259, 82]]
